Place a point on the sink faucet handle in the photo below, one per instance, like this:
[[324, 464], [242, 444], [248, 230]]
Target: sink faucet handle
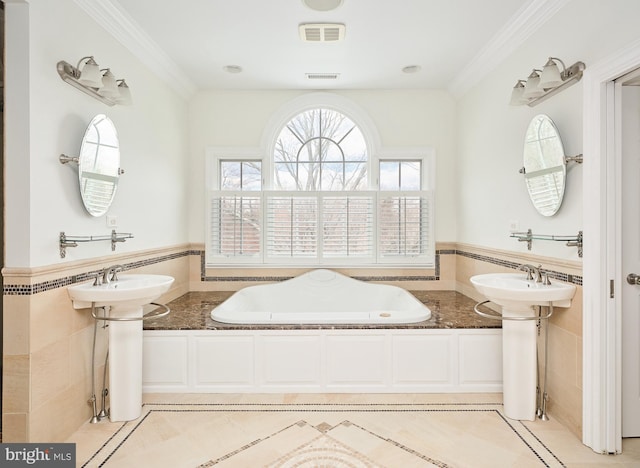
[[529, 269], [114, 271], [98, 279], [545, 279], [110, 274]]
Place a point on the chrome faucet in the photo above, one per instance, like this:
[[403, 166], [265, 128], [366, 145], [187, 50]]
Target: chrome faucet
[[111, 273], [531, 270]]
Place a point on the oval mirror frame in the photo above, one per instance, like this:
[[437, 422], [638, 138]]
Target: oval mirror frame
[[545, 167], [99, 165]]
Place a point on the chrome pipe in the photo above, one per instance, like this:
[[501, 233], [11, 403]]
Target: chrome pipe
[[538, 393], [105, 391], [92, 399], [545, 397]]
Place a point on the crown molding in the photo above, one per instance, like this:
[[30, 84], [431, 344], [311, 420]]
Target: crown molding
[[112, 17], [518, 29]]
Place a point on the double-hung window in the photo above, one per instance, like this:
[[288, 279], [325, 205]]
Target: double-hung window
[[320, 198]]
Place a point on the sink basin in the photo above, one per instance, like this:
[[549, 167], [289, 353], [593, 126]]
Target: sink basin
[[129, 290], [513, 290]]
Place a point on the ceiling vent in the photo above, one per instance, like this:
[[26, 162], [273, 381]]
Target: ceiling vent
[[322, 32], [322, 76]]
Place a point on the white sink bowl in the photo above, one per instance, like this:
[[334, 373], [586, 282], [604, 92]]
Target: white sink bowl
[[129, 290], [514, 290]]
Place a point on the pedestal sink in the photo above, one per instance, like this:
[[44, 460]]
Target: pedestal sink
[[124, 299], [517, 297]]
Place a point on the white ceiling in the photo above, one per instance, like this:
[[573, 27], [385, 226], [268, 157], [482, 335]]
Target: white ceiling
[[195, 39]]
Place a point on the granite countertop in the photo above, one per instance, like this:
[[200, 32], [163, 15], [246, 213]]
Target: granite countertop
[[449, 309]]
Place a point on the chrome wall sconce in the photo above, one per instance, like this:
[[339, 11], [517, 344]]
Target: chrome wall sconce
[[98, 83], [542, 84]]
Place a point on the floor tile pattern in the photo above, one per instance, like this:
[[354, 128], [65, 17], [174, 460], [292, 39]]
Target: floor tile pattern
[[310, 434]]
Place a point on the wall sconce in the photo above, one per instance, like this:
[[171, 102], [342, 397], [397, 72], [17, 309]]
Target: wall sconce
[[98, 83], [542, 84]]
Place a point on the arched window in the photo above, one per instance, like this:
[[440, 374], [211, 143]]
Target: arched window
[[320, 149], [320, 191]]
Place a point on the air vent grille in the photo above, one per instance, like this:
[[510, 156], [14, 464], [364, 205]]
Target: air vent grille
[[322, 32], [323, 76]]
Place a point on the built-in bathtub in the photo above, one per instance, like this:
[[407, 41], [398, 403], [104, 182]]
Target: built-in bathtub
[[321, 296], [460, 352]]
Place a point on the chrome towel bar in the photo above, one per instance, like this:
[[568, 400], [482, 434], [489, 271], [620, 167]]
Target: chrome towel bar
[[147, 316], [502, 317]]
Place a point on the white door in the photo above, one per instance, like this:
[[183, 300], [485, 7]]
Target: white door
[[628, 98]]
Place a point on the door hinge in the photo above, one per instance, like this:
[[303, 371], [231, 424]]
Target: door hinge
[[611, 289]]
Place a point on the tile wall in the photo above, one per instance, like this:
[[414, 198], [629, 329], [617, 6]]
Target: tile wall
[[564, 386], [47, 343]]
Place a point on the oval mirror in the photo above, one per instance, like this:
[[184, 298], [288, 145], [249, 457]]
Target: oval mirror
[[99, 165], [545, 168]]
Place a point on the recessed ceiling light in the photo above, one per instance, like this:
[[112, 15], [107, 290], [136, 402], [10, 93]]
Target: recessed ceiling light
[[412, 69], [322, 5], [232, 68]]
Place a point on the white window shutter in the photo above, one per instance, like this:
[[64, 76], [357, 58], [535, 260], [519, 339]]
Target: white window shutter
[[235, 227], [404, 233], [292, 227]]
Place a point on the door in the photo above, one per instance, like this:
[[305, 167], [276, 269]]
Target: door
[[628, 89]]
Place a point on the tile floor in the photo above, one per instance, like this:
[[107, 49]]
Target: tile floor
[[334, 430]]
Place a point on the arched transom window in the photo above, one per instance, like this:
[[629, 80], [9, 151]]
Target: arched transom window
[[320, 149]]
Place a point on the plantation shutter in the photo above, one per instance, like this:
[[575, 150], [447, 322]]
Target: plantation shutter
[[347, 223], [404, 232], [283, 227], [292, 227], [235, 227]]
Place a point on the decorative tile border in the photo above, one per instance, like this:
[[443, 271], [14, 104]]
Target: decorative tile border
[[30, 289], [435, 277], [575, 279], [320, 439]]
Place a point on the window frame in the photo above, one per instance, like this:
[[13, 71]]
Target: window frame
[[376, 154], [426, 156]]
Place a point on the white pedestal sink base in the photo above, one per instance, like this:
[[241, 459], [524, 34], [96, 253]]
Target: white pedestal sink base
[[519, 296], [519, 365], [125, 365], [123, 297]]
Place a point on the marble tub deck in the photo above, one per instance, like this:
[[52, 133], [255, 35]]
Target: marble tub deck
[[449, 309]]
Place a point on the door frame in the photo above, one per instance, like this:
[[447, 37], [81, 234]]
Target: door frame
[[602, 277]]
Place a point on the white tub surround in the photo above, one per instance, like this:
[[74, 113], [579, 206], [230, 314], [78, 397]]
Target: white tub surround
[[323, 360]]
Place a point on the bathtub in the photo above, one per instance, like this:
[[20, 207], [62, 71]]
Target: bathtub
[[321, 297]]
